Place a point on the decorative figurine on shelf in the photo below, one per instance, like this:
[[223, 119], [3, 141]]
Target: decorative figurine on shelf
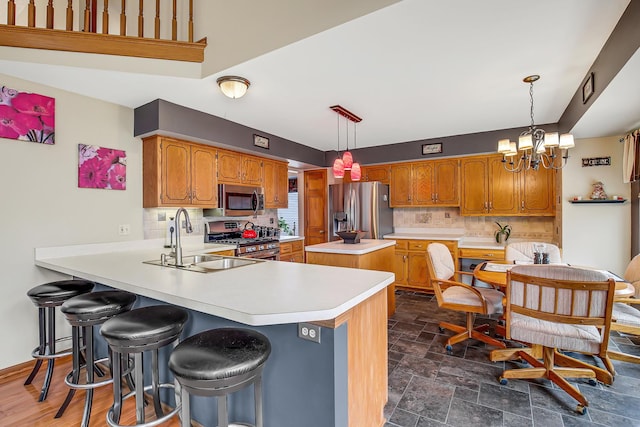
[[598, 191]]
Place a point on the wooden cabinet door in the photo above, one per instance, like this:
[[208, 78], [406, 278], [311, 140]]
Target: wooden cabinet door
[[176, 173], [252, 172], [204, 188], [400, 267], [422, 180], [447, 183], [537, 192], [315, 207], [381, 173], [229, 167], [282, 184], [418, 276], [503, 188], [473, 187], [276, 184], [400, 188], [270, 186]]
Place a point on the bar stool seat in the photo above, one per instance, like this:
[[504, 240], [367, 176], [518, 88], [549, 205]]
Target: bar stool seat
[[47, 297], [83, 312], [134, 332], [218, 362]]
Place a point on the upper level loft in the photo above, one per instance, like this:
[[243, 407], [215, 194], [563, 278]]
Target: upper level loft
[[144, 29]]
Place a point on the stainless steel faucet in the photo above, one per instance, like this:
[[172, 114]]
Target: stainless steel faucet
[[177, 254]]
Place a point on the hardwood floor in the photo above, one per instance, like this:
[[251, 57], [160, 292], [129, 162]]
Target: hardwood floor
[[19, 405]]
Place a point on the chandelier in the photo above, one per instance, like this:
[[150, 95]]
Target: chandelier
[[345, 162], [536, 147]]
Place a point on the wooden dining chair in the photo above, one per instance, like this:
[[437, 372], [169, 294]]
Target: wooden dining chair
[[552, 308], [452, 294]]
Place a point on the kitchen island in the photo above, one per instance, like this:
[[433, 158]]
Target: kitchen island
[[368, 254], [341, 381]]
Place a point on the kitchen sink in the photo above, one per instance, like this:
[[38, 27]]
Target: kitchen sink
[[205, 263]]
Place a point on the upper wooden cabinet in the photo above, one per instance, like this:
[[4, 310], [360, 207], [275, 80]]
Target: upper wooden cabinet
[[489, 189], [427, 183], [238, 168], [177, 173], [276, 184], [381, 173]]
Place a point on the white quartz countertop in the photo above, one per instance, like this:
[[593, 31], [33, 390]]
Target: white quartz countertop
[[425, 236], [284, 239], [339, 247], [463, 242], [265, 293]]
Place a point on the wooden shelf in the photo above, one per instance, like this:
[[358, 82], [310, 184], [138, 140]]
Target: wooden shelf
[[598, 201]]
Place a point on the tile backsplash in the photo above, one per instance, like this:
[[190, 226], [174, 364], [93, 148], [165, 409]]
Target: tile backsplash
[[526, 228], [155, 220]]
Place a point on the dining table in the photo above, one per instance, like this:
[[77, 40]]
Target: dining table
[[495, 274]]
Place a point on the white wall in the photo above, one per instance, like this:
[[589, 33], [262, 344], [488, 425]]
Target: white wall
[[596, 234], [43, 206]]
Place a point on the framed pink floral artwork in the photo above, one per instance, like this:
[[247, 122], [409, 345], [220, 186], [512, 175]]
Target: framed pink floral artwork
[[27, 116], [100, 167]]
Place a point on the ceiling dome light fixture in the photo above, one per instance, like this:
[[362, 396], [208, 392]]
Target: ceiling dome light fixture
[[233, 86], [538, 148]]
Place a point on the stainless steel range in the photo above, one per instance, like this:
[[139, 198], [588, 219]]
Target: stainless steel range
[[265, 244]]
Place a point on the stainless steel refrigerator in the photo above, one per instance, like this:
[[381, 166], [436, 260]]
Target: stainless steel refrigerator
[[362, 206]]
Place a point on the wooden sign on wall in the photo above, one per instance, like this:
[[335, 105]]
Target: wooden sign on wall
[[596, 161]]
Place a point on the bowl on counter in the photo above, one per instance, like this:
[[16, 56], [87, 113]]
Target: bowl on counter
[[351, 237]]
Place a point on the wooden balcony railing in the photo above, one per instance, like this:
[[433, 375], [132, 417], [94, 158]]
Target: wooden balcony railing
[[82, 31]]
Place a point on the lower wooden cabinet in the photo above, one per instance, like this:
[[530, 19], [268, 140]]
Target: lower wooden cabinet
[[410, 262], [292, 251]]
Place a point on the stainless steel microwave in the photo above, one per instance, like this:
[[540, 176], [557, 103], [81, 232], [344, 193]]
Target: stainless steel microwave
[[238, 200]]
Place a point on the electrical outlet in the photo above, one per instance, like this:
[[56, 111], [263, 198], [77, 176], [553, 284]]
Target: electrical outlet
[[309, 332], [124, 229]]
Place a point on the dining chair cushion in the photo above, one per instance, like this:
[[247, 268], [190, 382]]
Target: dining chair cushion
[[461, 295], [523, 251], [625, 314], [556, 335], [441, 260]]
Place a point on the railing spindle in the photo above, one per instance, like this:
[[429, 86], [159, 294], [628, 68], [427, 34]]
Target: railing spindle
[[32, 13], [50, 14], [123, 18], [157, 23], [69, 23], [174, 22], [190, 21], [87, 16], [105, 18], [141, 19], [11, 12]]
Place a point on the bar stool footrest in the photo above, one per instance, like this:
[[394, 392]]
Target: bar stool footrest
[[152, 423]]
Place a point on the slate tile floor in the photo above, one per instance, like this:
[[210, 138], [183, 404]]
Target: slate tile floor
[[429, 388]]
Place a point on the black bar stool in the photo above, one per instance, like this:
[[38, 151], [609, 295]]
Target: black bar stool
[[134, 332], [83, 312], [47, 297], [218, 362]]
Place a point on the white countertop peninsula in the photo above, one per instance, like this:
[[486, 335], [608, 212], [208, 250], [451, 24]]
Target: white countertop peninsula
[[265, 293], [284, 239], [365, 246], [348, 382]]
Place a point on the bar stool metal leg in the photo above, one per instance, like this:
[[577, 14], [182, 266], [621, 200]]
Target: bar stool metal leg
[[42, 347], [52, 350]]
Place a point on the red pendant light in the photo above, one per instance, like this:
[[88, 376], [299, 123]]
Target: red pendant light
[[346, 162], [338, 168], [356, 172]]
